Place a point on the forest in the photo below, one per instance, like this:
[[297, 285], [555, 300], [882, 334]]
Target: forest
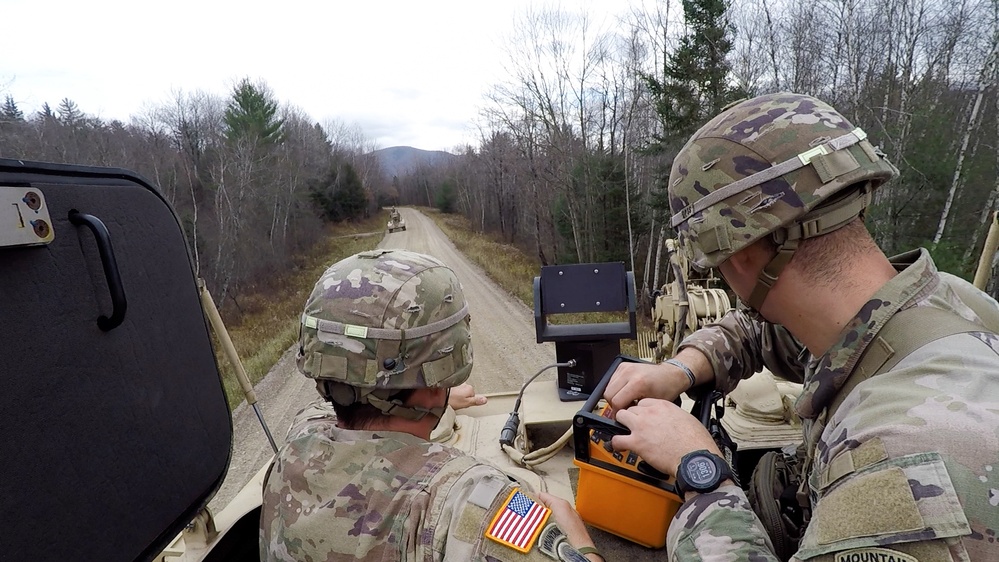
[[575, 142]]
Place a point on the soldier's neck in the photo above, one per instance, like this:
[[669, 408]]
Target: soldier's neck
[[816, 311], [419, 428]]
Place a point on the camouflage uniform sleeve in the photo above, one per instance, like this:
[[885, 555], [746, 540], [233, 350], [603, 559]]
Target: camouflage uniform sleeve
[[738, 346], [467, 511], [719, 525]]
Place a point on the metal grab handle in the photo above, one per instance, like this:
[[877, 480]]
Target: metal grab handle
[[585, 419], [103, 239]]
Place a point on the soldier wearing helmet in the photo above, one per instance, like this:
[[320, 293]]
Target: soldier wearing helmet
[[386, 335], [900, 362]]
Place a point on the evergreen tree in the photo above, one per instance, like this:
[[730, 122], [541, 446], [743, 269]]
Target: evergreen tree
[[606, 230], [611, 225], [339, 193], [252, 114], [46, 113], [694, 85], [565, 245], [445, 199], [69, 112], [10, 111]]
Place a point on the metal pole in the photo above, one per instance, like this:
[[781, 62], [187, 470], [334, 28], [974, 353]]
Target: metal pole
[[215, 319], [984, 270]]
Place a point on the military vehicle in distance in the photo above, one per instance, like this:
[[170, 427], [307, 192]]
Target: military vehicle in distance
[[396, 222], [119, 433]]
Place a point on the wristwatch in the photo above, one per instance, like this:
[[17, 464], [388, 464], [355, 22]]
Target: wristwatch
[[701, 471]]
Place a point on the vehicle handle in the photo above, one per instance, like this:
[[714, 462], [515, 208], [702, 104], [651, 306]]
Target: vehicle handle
[[111, 274]]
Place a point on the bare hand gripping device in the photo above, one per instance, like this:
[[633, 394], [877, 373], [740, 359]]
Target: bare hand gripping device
[[644, 499]]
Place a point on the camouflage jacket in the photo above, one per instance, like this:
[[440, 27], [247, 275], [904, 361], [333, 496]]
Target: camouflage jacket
[[904, 469], [336, 494]]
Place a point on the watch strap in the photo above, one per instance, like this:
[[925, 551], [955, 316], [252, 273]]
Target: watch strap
[[724, 473]]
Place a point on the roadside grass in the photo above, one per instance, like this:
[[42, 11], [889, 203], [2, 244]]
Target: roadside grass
[[513, 270], [506, 265], [266, 324]]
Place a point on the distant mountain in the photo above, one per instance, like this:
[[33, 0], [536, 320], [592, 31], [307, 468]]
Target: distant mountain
[[400, 160]]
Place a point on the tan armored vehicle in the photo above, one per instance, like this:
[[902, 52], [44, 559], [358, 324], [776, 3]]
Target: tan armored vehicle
[[117, 431], [396, 222]]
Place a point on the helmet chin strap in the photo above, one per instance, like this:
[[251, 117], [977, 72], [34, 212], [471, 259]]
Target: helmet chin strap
[[834, 215], [395, 407], [768, 276], [439, 412]]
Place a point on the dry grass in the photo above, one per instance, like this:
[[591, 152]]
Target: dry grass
[[507, 266], [267, 321], [511, 269]]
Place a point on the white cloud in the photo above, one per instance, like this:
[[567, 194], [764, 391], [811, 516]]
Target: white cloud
[[410, 73]]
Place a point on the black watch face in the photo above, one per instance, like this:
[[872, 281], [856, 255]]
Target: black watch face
[[700, 471]]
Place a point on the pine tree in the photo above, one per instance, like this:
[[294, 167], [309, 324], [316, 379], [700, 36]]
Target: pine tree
[[46, 113], [10, 112], [69, 112], [252, 114], [694, 85], [339, 194], [446, 198]]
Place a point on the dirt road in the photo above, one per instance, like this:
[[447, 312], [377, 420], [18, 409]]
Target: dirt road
[[503, 342]]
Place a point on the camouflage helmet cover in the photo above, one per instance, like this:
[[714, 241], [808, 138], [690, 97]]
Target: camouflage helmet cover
[[386, 320], [771, 164]]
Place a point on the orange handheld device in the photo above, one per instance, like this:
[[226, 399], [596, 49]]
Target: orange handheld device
[[618, 492]]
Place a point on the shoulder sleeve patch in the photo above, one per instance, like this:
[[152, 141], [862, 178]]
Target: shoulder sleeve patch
[[906, 504], [518, 521], [872, 504], [485, 492]]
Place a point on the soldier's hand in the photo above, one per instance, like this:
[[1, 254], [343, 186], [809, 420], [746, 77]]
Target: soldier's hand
[[633, 381], [568, 520], [464, 396], [661, 433]]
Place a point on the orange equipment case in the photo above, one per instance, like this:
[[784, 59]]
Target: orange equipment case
[[618, 492]]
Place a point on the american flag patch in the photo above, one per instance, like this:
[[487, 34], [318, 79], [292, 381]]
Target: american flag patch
[[519, 522]]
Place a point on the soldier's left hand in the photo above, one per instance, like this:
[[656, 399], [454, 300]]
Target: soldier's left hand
[[661, 433], [464, 396], [567, 519]]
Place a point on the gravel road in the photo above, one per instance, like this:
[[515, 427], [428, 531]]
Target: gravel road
[[503, 340]]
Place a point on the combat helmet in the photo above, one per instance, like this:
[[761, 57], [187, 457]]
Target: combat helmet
[[382, 321], [784, 165]]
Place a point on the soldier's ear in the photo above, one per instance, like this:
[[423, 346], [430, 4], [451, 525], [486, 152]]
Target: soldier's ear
[[749, 261]]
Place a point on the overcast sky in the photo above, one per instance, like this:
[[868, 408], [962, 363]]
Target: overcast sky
[[408, 72]]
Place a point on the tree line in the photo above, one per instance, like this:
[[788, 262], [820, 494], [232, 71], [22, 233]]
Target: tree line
[[252, 180], [575, 143]]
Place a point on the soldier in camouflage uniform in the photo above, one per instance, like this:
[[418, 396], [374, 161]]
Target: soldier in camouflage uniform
[[385, 334], [772, 192]]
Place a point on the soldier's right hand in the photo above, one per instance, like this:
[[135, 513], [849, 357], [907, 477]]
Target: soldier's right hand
[[633, 381]]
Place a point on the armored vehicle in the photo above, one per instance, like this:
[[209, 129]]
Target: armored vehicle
[[118, 433], [396, 222]]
